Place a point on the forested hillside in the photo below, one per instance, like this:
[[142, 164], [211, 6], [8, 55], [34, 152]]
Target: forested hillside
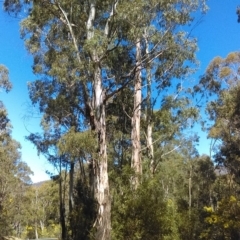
[[118, 109]]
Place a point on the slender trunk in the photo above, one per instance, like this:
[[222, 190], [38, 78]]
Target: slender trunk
[[36, 220], [150, 145], [42, 226], [190, 190], [71, 174], [100, 165], [136, 163], [149, 115], [103, 221], [61, 206], [71, 201], [36, 231]]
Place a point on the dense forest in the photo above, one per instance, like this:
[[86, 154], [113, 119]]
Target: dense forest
[[117, 112]]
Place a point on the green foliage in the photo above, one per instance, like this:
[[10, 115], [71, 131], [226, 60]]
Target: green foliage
[[223, 223], [4, 79], [138, 214], [14, 175], [224, 111], [159, 208], [222, 79], [76, 144], [42, 210]]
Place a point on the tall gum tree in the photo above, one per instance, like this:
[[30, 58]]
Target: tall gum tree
[[57, 31], [93, 42], [100, 165], [14, 173], [222, 80], [163, 52], [136, 162]]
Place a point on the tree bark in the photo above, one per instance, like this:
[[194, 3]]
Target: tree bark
[[71, 174], [190, 190], [136, 163], [71, 184], [42, 226], [149, 111], [36, 230], [61, 205], [36, 220], [103, 221], [100, 165]]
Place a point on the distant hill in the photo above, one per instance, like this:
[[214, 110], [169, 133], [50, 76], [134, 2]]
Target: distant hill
[[39, 184]]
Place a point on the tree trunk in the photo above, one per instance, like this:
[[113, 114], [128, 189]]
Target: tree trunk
[[71, 200], [136, 163], [149, 112], [61, 205], [36, 220], [190, 190], [36, 230], [103, 221], [71, 174], [42, 226], [100, 165]]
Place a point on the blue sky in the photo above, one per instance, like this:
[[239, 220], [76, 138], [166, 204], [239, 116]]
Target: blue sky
[[18, 61], [218, 34]]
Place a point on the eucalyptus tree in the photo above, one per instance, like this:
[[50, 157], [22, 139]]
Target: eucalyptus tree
[[43, 217], [14, 180], [46, 144], [88, 56], [170, 128], [164, 52], [98, 45], [85, 48], [62, 113], [6, 85], [14, 173], [222, 81]]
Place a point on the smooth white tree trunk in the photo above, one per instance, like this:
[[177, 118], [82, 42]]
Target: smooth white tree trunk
[[36, 230], [136, 162], [149, 112]]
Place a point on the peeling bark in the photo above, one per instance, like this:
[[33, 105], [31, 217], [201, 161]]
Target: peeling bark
[[103, 221], [100, 165]]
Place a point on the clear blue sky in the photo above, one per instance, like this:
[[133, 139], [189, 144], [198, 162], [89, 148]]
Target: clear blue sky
[[218, 34], [14, 55]]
